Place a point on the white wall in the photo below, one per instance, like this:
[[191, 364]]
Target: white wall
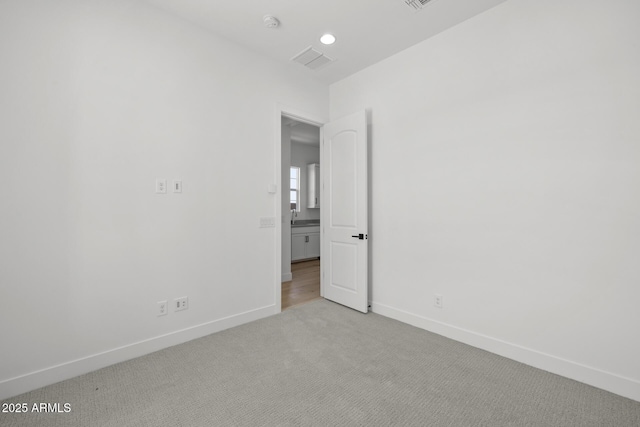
[[505, 177], [98, 100], [301, 156]]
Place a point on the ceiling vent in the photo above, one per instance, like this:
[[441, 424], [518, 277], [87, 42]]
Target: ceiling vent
[[311, 58], [416, 4]]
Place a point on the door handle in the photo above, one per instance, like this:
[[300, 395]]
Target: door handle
[[360, 236]]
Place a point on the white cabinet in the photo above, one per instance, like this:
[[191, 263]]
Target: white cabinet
[[313, 185], [312, 250], [298, 246], [305, 243]]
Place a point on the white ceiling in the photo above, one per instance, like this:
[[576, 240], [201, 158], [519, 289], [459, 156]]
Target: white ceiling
[[303, 133], [367, 31]]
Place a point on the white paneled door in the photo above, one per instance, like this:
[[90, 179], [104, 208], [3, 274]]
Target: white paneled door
[[345, 211]]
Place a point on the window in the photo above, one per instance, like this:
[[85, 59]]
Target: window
[[294, 189]]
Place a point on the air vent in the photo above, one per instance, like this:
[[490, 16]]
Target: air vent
[[312, 58], [416, 4]]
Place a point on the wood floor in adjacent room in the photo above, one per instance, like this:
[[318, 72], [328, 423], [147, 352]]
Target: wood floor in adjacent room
[[305, 285]]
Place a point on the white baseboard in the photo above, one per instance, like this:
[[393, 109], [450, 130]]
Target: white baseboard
[[287, 277], [24, 383], [622, 386]]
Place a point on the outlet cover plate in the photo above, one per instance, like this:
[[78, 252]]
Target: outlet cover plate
[[162, 308], [181, 303], [437, 300]]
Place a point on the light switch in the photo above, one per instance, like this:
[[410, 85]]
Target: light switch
[[273, 188], [177, 186], [268, 222]]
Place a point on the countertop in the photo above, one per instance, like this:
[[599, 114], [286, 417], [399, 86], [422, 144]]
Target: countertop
[[306, 223]]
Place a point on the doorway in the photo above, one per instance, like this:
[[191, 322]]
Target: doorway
[[301, 204], [304, 285]]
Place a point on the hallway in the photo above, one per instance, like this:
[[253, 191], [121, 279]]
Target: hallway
[[305, 285]]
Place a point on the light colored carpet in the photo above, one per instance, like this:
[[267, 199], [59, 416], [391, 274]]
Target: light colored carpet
[[326, 365]]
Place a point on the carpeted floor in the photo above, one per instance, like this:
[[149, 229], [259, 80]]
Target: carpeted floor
[[326, 365]]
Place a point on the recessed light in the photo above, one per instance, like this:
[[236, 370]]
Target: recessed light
[[328, 39]]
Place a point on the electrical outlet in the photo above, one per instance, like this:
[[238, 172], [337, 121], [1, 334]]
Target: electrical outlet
[[437, 301], [162, 308], [180, 304], [161, 186]]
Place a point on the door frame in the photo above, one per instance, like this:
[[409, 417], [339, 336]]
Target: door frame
[[304, 117]]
